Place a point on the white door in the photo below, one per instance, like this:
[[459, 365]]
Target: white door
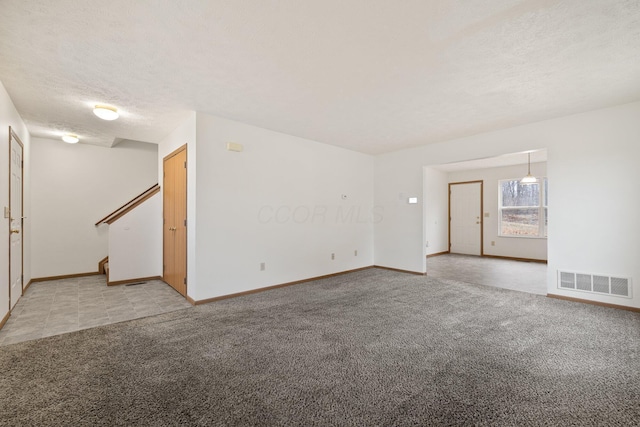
[[15, 221], [465, 218]]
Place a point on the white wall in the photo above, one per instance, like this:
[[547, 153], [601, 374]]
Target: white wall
[[517, 247], [278, 202], [74, 186], [9, 117], [184, 134], [436, 211], [593, 202], [135, 246]]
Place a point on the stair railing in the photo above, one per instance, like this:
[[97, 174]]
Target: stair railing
[[129, 206]]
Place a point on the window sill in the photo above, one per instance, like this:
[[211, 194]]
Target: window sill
[[523, 237]]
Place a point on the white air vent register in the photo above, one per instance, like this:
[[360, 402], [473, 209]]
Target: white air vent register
[[595, 283]]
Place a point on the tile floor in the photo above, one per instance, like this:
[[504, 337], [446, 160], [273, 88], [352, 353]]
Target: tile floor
[[59, 306], [522, 276]]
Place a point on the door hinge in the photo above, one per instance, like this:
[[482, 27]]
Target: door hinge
[[164, 267], [185, 165], [185, 222], [185, 280]]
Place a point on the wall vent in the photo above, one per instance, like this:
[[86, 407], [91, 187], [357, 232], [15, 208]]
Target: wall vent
[[595, 283]]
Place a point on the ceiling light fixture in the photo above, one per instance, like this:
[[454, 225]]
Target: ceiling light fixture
[[529, 179], [70, 138], [106, 112]]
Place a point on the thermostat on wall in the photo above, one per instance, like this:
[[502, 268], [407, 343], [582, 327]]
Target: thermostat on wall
[[234, 146]]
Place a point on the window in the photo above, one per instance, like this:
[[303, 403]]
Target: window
[[522, 208]]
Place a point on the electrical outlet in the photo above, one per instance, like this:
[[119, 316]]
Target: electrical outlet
[[493, 243], [263, 266], [427, 243], [333, 256], [355, 253]]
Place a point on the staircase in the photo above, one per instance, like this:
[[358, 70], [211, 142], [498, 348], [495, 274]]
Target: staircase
[[135, 240], [103, 267]]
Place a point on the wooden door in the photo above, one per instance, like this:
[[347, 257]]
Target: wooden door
[[15, 218], [465, 218], [175, 220]]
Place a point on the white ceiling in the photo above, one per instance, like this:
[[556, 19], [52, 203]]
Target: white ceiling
[[369, 75], [537, 156]]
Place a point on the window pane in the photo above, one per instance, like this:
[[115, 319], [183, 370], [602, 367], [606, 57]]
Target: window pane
[[546, 192], [546, 221], [519, 222], [516, 194]]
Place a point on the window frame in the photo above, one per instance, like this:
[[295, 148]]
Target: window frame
[[541, 207]]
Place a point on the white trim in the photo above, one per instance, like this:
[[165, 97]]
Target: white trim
[[540, 207]]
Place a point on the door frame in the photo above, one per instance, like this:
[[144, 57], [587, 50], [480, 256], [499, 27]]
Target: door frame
[[481, 182], [13, 136], [164, 160]]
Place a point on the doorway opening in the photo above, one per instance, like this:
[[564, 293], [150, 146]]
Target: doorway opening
[[462, 195]]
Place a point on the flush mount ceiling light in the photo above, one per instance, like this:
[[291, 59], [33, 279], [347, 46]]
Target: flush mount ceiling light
[[529, 179], [70, 138], [106, 112]]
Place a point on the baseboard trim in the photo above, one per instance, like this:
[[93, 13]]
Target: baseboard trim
[[437, 254], [601, 304], [541, 261], [400, 271], [5, 318], [101, 264], [269, 288], [64, 276], [27, 286], [126, 282]]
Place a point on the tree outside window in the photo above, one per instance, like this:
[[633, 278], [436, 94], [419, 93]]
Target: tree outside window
[[523, 208]]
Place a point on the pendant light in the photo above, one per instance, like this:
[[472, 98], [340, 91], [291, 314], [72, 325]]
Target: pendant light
[[529, 179]]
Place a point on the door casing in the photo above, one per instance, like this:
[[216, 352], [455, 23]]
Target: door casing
[[481, 211], [174, 224], [16, 222]]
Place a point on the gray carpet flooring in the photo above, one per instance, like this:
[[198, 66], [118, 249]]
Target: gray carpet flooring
[[371, 348]]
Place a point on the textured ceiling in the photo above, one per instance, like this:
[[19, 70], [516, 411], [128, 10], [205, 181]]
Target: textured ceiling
[[537, 156], [368, 75]]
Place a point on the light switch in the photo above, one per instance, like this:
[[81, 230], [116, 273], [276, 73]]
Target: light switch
[[413, 200]]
